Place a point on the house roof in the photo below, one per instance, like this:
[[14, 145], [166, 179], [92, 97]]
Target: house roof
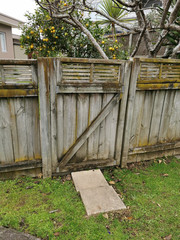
[[9, 21]]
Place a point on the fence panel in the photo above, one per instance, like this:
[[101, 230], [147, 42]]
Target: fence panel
[[154, 125], [19, 114], [85, 111]]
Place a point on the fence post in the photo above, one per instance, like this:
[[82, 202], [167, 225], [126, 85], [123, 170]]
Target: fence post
[[129, 111], [47, 106]]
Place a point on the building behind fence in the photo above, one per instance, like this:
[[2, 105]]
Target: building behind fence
[[63, 114]]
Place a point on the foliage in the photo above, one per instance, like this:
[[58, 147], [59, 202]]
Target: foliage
[[43, 36], [172, 38], [110, 8], [52, 209]]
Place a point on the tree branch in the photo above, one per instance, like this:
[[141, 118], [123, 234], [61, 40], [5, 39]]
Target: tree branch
[[138, 42], [166, 9], [174, 12], [172, 27], [89, 35], [175, 50]]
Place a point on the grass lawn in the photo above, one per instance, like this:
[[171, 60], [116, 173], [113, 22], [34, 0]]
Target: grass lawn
[[52, 209]]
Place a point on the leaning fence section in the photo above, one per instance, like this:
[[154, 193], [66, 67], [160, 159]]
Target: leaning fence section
[[19, 116], [153, 127]]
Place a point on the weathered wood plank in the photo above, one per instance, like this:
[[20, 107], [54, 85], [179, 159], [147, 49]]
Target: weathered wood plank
[[53, 111], [125, 76], [29, 127], [94, 109], [173, 129], [19, 166], [90, 130], [70, 130], [89, 60], [82, 124], [137, 118], [18, 62], [14, 130], [36, 129], [103, 150], [129, 113], [166, 114], [158, 86], [156, 117], [146, 118], [159, 60], [44, 103], [7, 93], [60, 125], [20, 112]]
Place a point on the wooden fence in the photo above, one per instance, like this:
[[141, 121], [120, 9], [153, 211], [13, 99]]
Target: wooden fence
[[66, 114], [153, 115]]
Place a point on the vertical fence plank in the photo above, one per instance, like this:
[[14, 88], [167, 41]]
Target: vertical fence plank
[[82, 123], [53, 106], [44, 104], [129, 113], [156, 117], [122, 111], [94, 109]]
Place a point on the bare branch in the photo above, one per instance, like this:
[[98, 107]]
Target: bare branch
[[89, 35], [166, 9], [174, 12], [175, 50], [138, 42], [158, 45], [126, 4], [143, 23], [172, 27]]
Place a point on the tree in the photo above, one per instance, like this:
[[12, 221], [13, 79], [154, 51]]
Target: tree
[[46, 36], [65, 11]]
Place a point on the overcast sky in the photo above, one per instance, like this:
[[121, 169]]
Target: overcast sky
[[17, 9]]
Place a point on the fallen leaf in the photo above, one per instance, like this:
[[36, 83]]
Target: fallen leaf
[[56, 234], [165, 175], [68, 177], [107, 227], [40, 175], [158, 204], [105, 215], [130, 218], [37, 182], [112, 182], [168, 237]]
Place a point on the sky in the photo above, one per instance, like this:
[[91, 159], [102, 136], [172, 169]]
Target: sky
[[17, 9]]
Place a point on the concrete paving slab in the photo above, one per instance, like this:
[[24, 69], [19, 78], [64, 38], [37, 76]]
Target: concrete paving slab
[[100, 200], [88, 179]]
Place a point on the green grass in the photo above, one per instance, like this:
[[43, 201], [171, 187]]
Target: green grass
[[151, 194]]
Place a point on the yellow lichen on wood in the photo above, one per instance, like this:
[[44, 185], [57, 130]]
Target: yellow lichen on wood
[[6, 93]]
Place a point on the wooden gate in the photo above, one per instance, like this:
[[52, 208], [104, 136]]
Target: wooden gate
[[82, 105]]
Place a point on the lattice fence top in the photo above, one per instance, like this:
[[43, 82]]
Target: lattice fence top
[[159, 73], [93, 73], [90, 72], [17, 72]]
